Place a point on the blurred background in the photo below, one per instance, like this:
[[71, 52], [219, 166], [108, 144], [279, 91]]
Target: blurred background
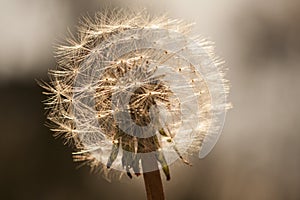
[[258, 154]]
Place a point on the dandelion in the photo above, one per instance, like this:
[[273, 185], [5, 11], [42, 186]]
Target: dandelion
[[135, 93]]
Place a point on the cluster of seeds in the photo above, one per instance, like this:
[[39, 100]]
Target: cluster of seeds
[[129, 87]]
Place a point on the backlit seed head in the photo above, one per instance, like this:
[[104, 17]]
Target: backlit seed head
[[130, 85]]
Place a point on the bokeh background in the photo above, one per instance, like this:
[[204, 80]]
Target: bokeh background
[[258, 154]]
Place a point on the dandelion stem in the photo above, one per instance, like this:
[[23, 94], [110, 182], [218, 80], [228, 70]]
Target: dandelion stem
[[152, 179]]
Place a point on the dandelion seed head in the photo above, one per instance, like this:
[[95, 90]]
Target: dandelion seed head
[[129, 82]]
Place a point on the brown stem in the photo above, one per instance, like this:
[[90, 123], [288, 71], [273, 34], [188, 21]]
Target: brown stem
[[152, 179]]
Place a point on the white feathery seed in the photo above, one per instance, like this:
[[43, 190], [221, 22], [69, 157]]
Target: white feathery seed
[[127, 77]]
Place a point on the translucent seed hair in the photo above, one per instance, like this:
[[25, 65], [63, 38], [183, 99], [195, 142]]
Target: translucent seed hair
[[129, 85]]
